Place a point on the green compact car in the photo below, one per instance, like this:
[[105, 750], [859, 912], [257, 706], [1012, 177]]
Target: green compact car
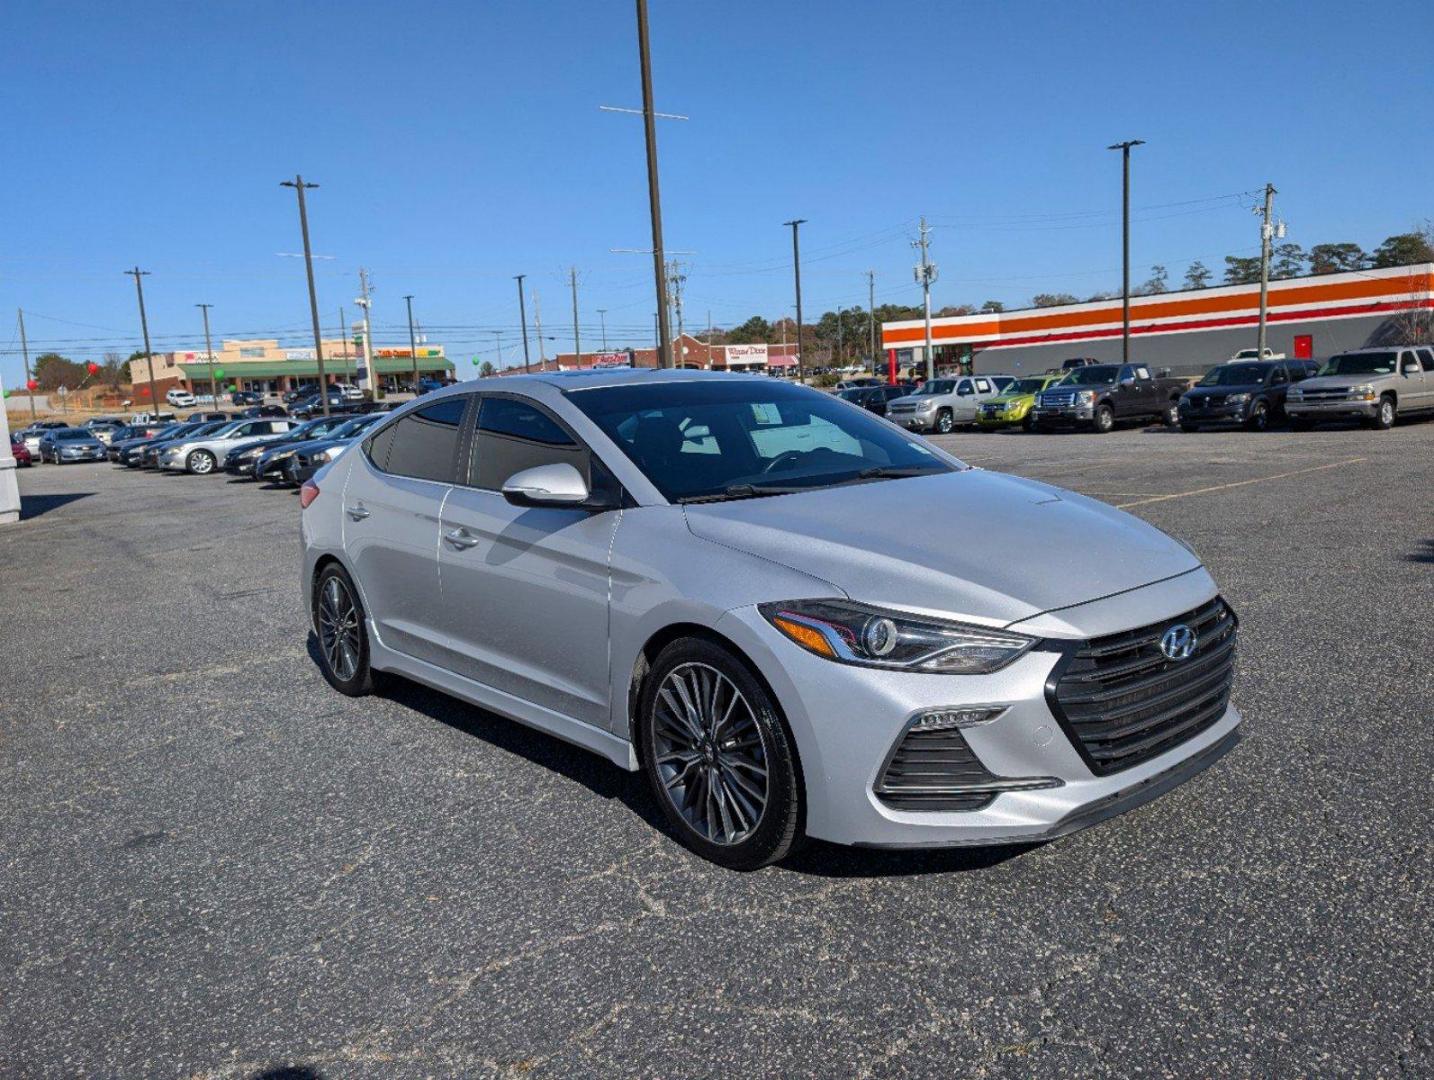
[[1014, 405]]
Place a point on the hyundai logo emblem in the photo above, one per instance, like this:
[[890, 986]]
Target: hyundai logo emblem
[[1178, 643]]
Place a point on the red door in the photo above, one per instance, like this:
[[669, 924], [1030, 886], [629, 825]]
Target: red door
[[1304, 346]]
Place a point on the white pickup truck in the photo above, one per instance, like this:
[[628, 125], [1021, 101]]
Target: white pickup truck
[[1257, 354]]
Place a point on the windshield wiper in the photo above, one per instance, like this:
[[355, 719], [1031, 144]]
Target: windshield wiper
[[892, 472], [741, 491]]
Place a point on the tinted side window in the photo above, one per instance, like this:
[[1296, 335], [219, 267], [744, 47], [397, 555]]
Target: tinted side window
[[515, 435], [423, 443], [1277, 376], [1426, 357]]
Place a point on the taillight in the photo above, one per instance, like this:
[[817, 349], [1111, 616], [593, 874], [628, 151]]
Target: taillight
[[307, 494]]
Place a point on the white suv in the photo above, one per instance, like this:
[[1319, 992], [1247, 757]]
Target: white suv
[[943, 404], [180, 399]]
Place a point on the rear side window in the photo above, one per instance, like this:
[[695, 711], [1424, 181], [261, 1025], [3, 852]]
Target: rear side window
[[423, 443], [1426, 358], [514, 435]]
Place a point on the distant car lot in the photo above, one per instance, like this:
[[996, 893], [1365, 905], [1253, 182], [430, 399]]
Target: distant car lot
[[215, 866]]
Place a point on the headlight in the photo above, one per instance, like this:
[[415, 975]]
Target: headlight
[[853, 633], [1238, 399], [925, 406], [1296, 393], [322, 456], [1364, 391], [1086, 397]]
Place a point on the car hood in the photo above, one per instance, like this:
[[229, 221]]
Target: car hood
[[1009, 399], [977, 545], [1338, 382], [88, 444], [913, 399], [1223, 391]]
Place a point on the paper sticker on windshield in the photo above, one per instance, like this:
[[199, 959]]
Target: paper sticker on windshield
[[766, 412]]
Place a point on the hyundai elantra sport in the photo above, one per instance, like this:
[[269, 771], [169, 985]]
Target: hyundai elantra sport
[[795, 618]]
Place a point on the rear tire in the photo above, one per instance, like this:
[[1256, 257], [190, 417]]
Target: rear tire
[[1171, 416], [1029, 423], [1385, 414], [1104, 422], [718, 756], [342, 630]]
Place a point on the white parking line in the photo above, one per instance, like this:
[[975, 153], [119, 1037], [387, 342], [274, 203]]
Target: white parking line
[[1239, 483]]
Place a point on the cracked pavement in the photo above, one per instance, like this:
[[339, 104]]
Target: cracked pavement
[[214, 866]]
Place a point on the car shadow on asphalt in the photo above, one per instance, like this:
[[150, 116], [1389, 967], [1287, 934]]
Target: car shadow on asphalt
[[1424, 554], [32, 506], [815, 858]]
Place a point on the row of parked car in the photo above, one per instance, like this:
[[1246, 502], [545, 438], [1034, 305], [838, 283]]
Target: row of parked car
[[284, 449], [1373, 385]]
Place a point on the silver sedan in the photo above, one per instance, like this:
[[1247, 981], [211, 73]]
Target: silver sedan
[[795, 618]]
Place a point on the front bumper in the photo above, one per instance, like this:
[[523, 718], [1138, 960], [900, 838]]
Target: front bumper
[[88, 454], [1332, 410], [1216, 414], [1002, 418], [913, 421], [1066, 415], [847, 721], [171, 459]]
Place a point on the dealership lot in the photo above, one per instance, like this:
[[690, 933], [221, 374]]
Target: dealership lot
[[214, 865]]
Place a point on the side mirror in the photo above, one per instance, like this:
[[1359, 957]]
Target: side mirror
[[558, 484], [1411, 368], [1129, 380]]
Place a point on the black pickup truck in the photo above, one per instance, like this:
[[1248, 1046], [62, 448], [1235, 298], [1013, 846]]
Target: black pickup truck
[[1100, 396]]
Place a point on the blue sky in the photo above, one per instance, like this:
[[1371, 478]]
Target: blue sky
[[457, 144]]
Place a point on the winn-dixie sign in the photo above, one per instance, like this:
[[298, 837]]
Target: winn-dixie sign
[[746, 355]]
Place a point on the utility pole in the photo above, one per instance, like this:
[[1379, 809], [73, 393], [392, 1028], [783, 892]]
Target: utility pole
[[498, 344], [871, 315], [209, 354], [577, 342], [797, 274], [523, 318], [137, 274], [344, 337], [926, 272], [366, 304], [297, 183], [1124, 148], [602, 314], [25, 352], [538, 322], [654, 198], [677, 279], [412, 344], [1267, 233], [709, 339]]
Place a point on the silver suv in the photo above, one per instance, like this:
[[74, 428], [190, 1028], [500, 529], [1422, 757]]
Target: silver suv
[[1373, 385], [943, 404], [790, 615]]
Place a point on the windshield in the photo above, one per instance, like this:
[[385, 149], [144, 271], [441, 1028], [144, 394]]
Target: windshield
[[1377, 363], [854, 394], [353, 427], [70, 433], [1095, 375], [1236, 375], [712, 439], [1027, 386], [936, 386]]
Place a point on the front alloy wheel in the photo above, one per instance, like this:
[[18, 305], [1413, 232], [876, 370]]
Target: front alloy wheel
[[718, 756], [1384, 415], [1104, 422], [945, 422], [200, 462], [343, 636], [1259, 418]]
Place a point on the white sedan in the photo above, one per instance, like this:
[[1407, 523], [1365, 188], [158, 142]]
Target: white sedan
[[202, 455]]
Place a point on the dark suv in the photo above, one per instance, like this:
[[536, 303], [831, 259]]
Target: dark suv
[[874, 398], [1248, 392]]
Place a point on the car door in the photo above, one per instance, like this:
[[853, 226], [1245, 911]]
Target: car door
[[1131, 399], [525, 589], [963, 406], [392, 504], [1277, 388]]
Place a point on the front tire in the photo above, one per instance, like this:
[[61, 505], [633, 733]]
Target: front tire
[[1104, 422], [200, 462], [718, 756], [945, 422], [1171, 416], [1385, 414], [342, 632], [1259, 418]]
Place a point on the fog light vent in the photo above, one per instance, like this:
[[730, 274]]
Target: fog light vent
[[947, 719]]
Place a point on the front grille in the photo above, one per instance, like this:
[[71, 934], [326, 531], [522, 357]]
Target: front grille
[[930, 769], [1209, 401], [1338, 394], [901, 408], [1058, 399], [1124, 703]]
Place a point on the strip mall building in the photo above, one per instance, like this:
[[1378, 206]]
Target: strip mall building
[[1187, 332]]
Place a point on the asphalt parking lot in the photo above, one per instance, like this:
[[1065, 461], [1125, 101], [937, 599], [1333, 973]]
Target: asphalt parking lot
[[213, 865]]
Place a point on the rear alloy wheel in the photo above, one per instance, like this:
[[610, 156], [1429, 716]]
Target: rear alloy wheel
[[718, 756], [1104, 422], [1259, 418], [1172, 414], [342, 632], [945, 422], [200, 462], [1384, 415]]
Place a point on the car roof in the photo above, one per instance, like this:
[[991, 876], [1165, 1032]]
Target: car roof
[[585, 380]]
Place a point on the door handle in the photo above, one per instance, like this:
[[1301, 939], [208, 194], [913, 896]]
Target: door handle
[[358, 513], [460, 538]]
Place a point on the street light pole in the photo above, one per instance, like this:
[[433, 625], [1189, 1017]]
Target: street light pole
[[1267, 233], [137, 274], [577, 342], [523, 317], [871, 315], [654, 198], [344, 337], [1124, 148], [412, 343], [297, 183], [209, 354], [797, 274]]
